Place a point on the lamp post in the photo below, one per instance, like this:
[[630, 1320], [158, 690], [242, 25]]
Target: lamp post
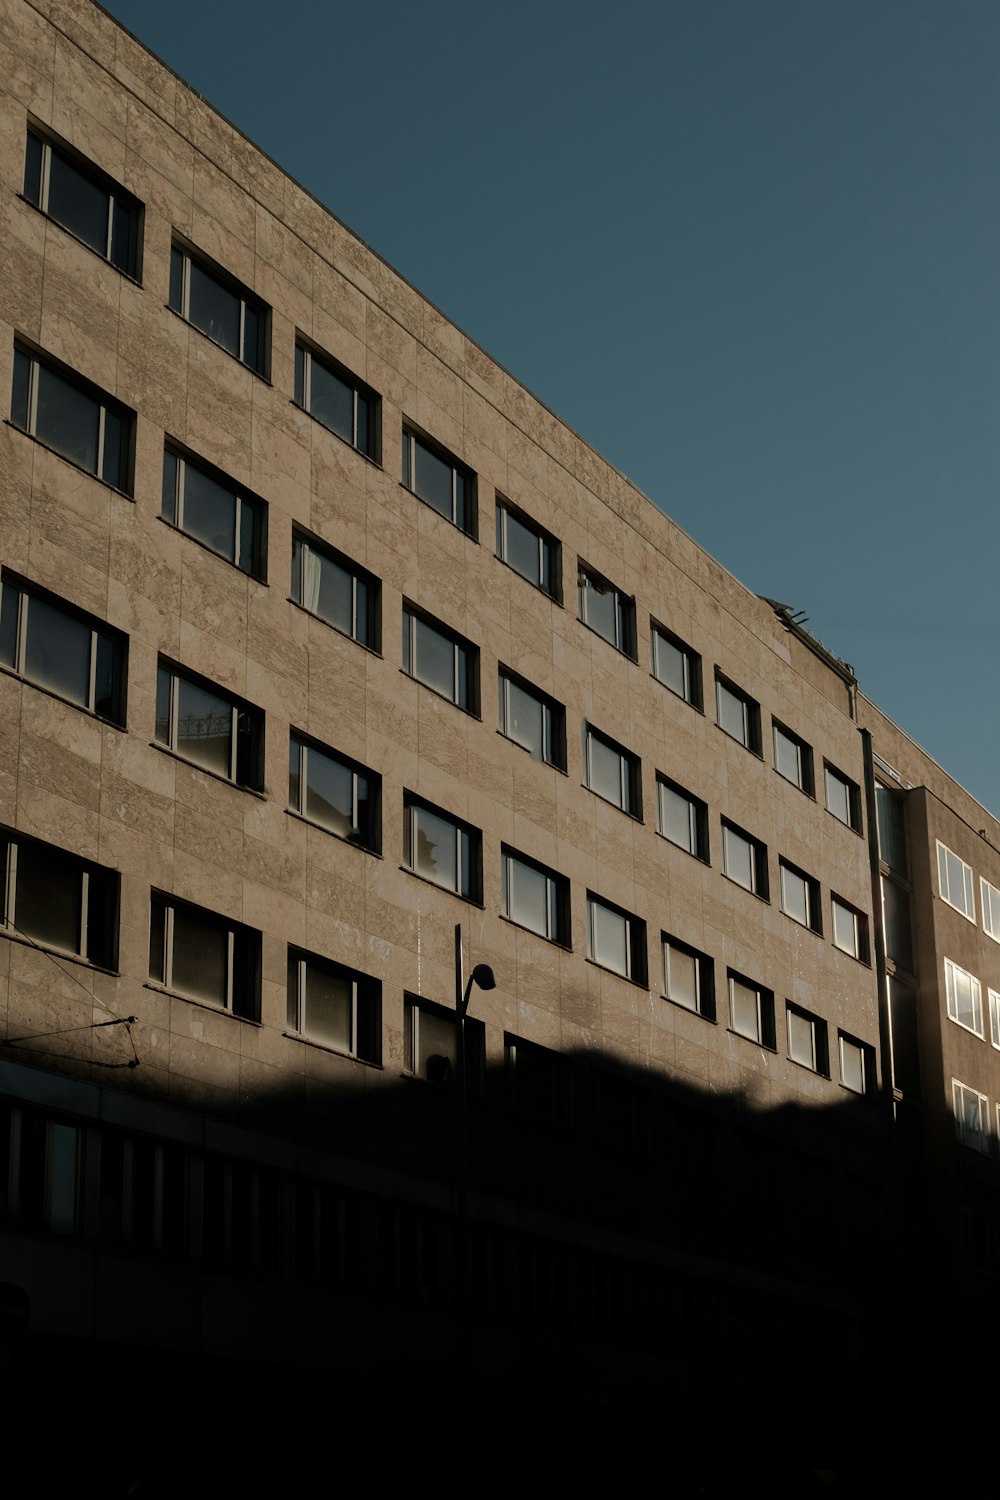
[[483, 978]]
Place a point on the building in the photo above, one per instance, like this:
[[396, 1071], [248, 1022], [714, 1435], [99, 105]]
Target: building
[[320, 637]]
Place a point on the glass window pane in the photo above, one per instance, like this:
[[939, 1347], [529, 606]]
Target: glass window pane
[[330, 793], [527, 895], [58, 651], [682, 976], [332, 401], [787, 757], [204, 727], [328, 1006], [838, 797], [739, 858], [214, 308], [745, 1014], [157, 927], [78, 203], [209, 511], [434, 662], [896, 916], [68, 419], [609, 934], [605, 770], [845, 929], [670, 664], [599, 608], [47, 899], [677, 818], [436, 1046], [891, 828], [432, 479], [522, 550], [200, 957], [61, 1177], [801, 1039], [794, 896], [524, 719], [732, 714], [33, 169], [852, 1066], [107, 673], [435, 854], [10, 603]]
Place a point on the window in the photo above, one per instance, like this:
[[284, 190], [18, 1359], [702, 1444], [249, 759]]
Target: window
[[437, 478], [616, 939], [744, 860], [990, 898], [676, 666], [220, 307], [688, 977], [751, 1010], [430, 1044], [539, 1082], [202, 502], [891, 819], [972, 1126], [535, 897], [738, 714], [73, 418], [532, 720], [334, 792], [58, 900], [433, 655], [681, 818], [83, 200], [994, 1004], [529, 549], [850, 929], [857, 1065], [964, 997], [336, 590], [613, 773], [59, 648], [442, 849], [205, 957], [843, 798], [608, 611], [807, 1043], [793, 758], [335, 397], [955, 878], [800, 898], [335, 1006], [205, 725], [897, 925]]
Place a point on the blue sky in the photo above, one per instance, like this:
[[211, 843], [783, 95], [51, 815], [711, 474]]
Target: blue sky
[[749, 249]]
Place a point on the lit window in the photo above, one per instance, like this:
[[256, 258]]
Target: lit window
[[807, 1040], [738, 714], [436, 477], [793, 759], [212, 301], [203, 724], [441, 660], [442, 849], [335, 1006], [800, 897], [430, 1044], [972, 1125], [613, 773], [751, 1010], [73, 418], [608, 611], [676, 666], [857, 1068], [59, 901], [744, 859], [955, 879], [527, 548], [199, 954], [83, 200], [843, 798], [681, 818], [850, 929], [58, 648], [535, 897], [204, 504], [688, 978], [334, 792], [532, 720], [336, 590], [990, 898], [616, 939], [964, 997], [337, 399]]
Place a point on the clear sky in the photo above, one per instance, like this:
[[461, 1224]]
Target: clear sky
[[749, 249]]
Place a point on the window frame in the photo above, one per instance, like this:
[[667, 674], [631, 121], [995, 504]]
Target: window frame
[[468, 858], [553, 718], [417, 1006], [549, 549], [623, 638], [366, 832], [118, 474], [697, 819], [759, 877], [750, 738], [116, 641], [365, 1007], [365, 614], [860, 949], [987, 892], [463, 514], [947, 877], [819, 1060], [951, 971], [243, 957], [976, 1140], [804, 779], [704, 973], [993, 1002], [250, 774], [119, 198], [182, 257], [629, 772], [245, 504], [691, 679], [306, 355], [98, 903], [764, 1035], [813, 919], [636, 962], [852, 794], [558, 926], [465, 659]]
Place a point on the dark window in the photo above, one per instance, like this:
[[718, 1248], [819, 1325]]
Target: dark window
[[738, 714], [81, 198], [335, 792], [681, 818], [528, 548], [532, 720], [336, 590], [430, 1044], [335, 1006], [539, 1082], [441, 660], [204, 956], [891, 814], [335, 397], [220, 307], [205, 725], [58, 900], [606, 610], [73, 418], [204, 503], [535, 897], [613, 773], [616, 939], [442, 849], [440, 480], [688, 977], [677, 666], [61, 649]]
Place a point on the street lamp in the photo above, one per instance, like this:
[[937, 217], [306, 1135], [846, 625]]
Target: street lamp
[[483, 978]]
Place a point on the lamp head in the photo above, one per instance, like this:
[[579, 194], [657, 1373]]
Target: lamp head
[[484, 977]]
